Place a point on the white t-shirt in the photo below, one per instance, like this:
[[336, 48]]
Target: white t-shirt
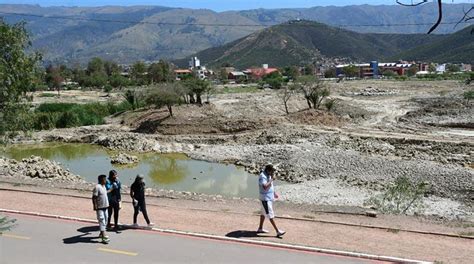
[[101, 193]]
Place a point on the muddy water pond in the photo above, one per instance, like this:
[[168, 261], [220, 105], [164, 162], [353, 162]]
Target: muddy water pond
[[162, 171]]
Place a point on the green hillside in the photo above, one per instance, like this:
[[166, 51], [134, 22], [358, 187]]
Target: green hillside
[[455, 48], [301, 42]]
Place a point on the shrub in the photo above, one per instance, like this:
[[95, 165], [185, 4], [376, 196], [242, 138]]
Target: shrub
[[468, 95], [68, 119], [108, 88], [329, 104], [54, 107], [401, 197], [45, 121]]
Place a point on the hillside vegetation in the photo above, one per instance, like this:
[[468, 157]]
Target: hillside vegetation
[[300, 42]]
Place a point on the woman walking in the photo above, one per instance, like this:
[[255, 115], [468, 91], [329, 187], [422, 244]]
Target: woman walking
[[137, 192]]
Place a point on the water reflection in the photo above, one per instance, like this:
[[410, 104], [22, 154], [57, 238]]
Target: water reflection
[[168, 171], [165, 170]]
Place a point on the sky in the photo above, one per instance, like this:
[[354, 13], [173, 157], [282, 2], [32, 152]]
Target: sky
[[217, 5]]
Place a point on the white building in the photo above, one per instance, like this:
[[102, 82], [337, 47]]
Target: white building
[[194, 63]]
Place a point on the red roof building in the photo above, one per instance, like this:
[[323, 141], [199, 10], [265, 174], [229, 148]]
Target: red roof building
[[258, 73]]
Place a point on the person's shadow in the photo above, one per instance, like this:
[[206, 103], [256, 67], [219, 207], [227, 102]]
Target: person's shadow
[[246, 234], [85, 237]]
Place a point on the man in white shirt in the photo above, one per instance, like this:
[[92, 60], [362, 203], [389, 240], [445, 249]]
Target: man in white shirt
[[101, 205], [267, 196]]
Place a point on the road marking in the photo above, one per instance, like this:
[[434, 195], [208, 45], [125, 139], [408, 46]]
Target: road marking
[[15, 236], [128, 253]]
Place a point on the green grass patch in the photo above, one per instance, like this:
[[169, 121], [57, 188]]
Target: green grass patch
[[64, 115]]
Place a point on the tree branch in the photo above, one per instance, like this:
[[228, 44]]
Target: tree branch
[[412, 4], [440, 17], [466, 16], [440, 11]]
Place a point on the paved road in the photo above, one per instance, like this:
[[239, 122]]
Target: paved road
[[43, 240]]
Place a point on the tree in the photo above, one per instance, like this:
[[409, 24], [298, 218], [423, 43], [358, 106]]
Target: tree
[[96, 66], [412, 70], [453, 68], [18, 73], [389, 73], [431, 68], [54, 78], [330, 73], [197, 87], [314, 90], [166, 94], [132, 98], [274, 79], [160, 72], [112, 68], [118, 81], [286, 94], [138, 73], [309, 69], [292, 72], [351, 71]]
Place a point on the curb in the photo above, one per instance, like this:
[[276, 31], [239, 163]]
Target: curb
[[277, 217], [238, 240]]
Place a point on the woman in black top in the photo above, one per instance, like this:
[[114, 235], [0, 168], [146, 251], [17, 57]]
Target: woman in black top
[[137, 192]]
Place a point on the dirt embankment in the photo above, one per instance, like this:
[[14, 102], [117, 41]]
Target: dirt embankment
[[453, 112]]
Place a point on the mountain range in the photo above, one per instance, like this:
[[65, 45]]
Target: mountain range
[[304, 42], [127, 34]]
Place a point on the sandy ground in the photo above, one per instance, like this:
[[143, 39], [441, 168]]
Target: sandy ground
[[228, 216]]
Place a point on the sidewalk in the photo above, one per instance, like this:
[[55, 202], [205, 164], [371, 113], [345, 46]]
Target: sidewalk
[[316, 234]]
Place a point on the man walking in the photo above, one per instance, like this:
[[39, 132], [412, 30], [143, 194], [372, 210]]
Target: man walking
[[101, 205], [267, 196], [113, 187]]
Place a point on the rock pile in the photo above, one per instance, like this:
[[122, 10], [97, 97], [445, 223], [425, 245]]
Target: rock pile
[[124, 159], [38, 168], [369, 91]]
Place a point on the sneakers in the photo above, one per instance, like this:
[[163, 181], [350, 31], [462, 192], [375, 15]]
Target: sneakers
[[151, 225], [262, 231], [105, 239], [280, 233]]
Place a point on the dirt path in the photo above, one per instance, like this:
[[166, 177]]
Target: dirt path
[[227, 217]]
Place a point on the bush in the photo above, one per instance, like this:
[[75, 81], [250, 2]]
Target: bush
[[329, 104], [60, 115], [68, 119], [401, 197], [45, 121], [108, 88], [54, 107], [469, 95]]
